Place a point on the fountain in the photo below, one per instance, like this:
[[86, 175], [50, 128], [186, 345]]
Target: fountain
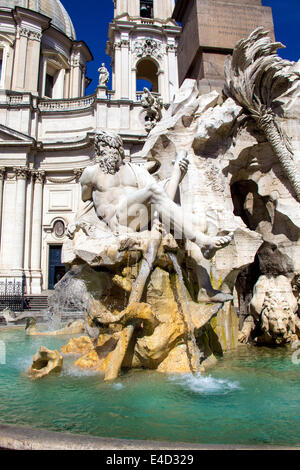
[[187, 262], [156, 257]]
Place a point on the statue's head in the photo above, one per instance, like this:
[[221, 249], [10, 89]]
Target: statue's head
[[150, 123], [109, 151], [277, 319]]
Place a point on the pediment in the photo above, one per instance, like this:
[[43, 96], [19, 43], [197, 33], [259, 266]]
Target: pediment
[[11, 136]]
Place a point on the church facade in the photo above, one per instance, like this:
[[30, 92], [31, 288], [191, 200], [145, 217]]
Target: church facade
[[47, 123]]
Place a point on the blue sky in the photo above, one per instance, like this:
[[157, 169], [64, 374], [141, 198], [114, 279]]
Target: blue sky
[[91, 19]]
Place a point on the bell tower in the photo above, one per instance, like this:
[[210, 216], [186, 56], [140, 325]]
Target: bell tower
[[142, 44]]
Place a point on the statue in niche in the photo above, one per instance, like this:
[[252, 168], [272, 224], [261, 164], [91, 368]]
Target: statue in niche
[[124, 195], [104, 75]]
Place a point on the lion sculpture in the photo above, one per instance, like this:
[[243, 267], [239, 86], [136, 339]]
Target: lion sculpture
[[273, 318]]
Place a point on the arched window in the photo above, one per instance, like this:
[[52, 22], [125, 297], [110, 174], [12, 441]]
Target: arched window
[[146, 8], [147, 70], [6, 46]]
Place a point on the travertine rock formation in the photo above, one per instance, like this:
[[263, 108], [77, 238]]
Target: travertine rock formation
[[79, 345], [143, 334]]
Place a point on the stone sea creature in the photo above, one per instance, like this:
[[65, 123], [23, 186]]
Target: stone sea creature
[[45, 362], [10, 318]]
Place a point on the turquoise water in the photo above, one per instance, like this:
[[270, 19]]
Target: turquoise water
[[251, 397]]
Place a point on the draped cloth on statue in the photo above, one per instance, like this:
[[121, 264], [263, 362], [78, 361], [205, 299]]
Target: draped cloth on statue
[[93, 240]]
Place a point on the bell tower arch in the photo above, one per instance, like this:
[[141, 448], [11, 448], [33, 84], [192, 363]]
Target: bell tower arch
[[142, 45]]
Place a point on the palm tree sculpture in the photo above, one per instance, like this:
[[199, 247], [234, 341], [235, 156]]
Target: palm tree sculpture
[[256, 77]]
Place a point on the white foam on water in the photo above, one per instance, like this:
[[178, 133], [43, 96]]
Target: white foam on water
[[21, 363], [118, 386], [205, 385], [69, 370]]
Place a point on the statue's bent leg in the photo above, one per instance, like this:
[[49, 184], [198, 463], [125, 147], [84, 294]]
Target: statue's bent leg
[[137, 205], [184, 225], [133, 209]]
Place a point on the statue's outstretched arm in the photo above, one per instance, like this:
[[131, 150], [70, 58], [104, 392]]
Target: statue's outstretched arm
[[84, 208], [86, 203], [179, 171]]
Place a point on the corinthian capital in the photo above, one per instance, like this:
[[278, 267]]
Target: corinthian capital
[[21, 31], [35, 35], [2, 173], [21, 173], [39, 176]]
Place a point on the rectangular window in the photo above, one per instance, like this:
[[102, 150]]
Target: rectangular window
[[49, 86], [146, 8]]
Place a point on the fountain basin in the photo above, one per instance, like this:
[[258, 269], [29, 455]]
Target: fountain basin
[[24, 438], [244, 400]]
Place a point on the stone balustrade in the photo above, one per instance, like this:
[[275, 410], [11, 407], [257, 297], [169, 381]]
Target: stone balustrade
[[52, 105], [15, 100], [66, 105], [147, 21]]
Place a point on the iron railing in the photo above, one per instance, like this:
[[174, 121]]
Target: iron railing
[[12, 294]]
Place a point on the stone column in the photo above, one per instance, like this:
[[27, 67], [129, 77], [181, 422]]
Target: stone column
[[67, 84], [59, 86], [7, 262], [37, 221], [164, 93], [75, 76], [133, 89], [125, 69], [83, 74], [163, 9], [4, 72], [44, 73], [173, 70], [2, 173], [20, 58], [134, 9], [32, 63], [28, 232], [21, 174], [118, 70]]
